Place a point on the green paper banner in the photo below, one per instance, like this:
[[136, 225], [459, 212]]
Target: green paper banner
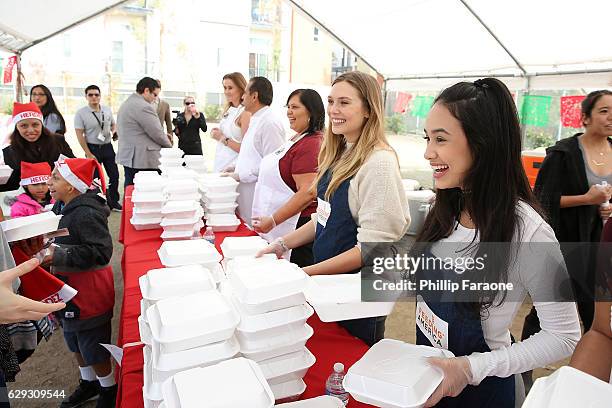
[[535, 110], [421, 106]]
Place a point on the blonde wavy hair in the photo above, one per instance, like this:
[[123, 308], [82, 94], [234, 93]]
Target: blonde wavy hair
[[331, 157]]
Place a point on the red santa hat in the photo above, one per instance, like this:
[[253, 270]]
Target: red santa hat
[[34, 173], [79, 173], [28, 110], [40, 285]]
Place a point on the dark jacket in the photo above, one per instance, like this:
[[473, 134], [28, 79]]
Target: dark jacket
[[188, 133], [563, 173], [36, 154]]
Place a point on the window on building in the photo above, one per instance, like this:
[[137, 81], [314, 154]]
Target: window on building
[[117, 56], [258, 64], [316, 34]]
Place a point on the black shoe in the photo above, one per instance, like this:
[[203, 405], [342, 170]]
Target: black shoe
[[107, 398], [86, 391], [116, 207]]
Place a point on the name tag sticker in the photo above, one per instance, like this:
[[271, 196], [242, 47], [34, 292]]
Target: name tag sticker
[[434, 328], [323, 211]]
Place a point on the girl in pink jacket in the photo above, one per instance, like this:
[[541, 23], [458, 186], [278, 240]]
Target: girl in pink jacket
[[34, 178]]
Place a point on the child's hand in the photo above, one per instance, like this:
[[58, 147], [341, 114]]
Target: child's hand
[[31, 246], [48, 258]]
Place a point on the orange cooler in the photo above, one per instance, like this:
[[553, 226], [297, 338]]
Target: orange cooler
[[532, 161]]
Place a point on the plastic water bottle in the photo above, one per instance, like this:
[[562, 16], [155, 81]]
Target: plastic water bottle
[[209, 235], [606, 205], [333, 385]]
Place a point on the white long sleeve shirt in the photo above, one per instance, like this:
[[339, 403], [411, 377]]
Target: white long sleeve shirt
[[531, 272]]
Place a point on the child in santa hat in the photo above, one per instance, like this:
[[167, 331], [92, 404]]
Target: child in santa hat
[[82, 261], [34, 178]]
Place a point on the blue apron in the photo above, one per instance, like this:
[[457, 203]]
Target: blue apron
[[465, 337], [340, 235]]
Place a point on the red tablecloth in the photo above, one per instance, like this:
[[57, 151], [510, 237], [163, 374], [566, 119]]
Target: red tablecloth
[[330, 342]]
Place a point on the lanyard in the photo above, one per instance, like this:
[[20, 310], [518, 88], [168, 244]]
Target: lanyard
[[98, 120]]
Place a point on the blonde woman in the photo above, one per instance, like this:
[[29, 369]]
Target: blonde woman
[[360, 197], [234, 123]]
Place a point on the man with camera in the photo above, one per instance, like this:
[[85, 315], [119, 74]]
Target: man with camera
[[95, 126]]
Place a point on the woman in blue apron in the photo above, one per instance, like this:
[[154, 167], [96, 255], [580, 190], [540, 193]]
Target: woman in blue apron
[[483, 197], [360, 197]]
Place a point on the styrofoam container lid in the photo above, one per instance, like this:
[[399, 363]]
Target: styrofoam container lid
[[188, 388], [181, 186], [291, 342], [222, 220], [218, 185], [165, 222], [569, 388], [282, 302], [242, 246], [180, 206], [324, 401], [138, 220], [286, 367], [288, 389], [291, 334], [267, 281], [221, 208], [201, 314], [182, 235], [423, 196], [171, 152], [184, 196], [150, 184], [166, 282], [394, 374], [144, 330], [199, 356], [214, 198], [195, 251], [194, 158], [147, 197], [339, 288], [178, 173], [150, 212], [277, 318], [20, 228], [146, 174]]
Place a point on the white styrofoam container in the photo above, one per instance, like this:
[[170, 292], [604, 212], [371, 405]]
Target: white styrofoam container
[[148, 199], [224, 208], [5, 173], [165, 365], [218, 185], [145, 223], [288, 367], [288, 391], [188, 252], [171, 161], [162, 283], [146, 213], [182, 235], [223, 222], [196, 160], [182, 224], [242, 246], [260, 327], [324, 401], [244, 261], [190, 388], [180, 209], [268, 281], [220, 198], [181, 186], [145, 331], [153, 184], [145, 174], [171, 152], [293, 342], [20, 228], [338, 297], [394, 374], [184, 196], [419, 203], [181, 323], [143, 309], [569, 388], [151, 390], [285, 301], [178, 173]]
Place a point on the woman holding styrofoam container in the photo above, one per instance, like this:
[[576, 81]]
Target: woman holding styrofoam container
[[284, 195], [359, 190], [483, 197]]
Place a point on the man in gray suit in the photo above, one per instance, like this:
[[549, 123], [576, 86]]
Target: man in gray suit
[[140, 134]]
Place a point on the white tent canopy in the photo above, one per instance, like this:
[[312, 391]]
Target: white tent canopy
[[441, 39], [420, 42], [28, 22]]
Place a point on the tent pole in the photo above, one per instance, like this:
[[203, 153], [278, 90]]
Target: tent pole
[[384, 96], [523, 127], [19, 79]]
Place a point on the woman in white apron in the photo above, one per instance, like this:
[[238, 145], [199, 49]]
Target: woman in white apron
[[233, 125], [284, 198]]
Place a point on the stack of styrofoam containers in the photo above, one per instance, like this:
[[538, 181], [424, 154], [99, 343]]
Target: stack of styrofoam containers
[[166, 283], [219, 200], [273, 330], [190, 252], [237, 382], [196, 163], [148, 200], [182, 213], [170, 157]]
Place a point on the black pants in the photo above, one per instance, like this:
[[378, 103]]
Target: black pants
[[4, 399], [191, 147], [370, 329], [302, 256], [130, 172], [105, 154]]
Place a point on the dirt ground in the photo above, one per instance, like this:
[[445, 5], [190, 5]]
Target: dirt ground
[[52, 366]]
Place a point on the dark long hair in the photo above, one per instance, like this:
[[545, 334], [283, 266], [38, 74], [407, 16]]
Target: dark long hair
[[496, 181], [314, 105], [588, 103], [49, 107], [45, 149]]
